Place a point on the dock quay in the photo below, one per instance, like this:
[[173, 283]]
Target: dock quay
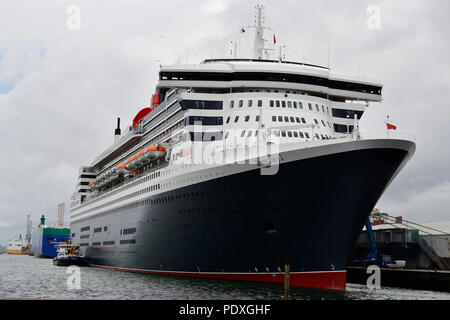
[[434, 280]]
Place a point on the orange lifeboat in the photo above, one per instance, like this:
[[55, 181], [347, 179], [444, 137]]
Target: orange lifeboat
[[155, 153], [121, 169], [135, 160], [141, 158], [129, 164]]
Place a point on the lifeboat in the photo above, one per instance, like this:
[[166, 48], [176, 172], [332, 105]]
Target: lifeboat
[[141, 157], [135, 161], [107, 177], [113, 175], [92, 184], [155, 153], [129, 164], [121, 169], [100, 181]]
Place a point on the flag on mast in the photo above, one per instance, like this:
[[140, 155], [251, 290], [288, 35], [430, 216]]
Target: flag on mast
[[389, 125]]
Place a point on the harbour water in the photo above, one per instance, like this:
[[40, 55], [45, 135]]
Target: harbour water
[[27, 277]]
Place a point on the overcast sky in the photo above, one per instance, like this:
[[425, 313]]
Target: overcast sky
[[62, 88]]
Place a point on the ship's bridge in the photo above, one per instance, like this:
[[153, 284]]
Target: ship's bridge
[[231, 75]]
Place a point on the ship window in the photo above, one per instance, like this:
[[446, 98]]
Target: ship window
[[310, 106], [271, 103], [274, 118], [247, 118], [280, 119], [301, 134], [317, 122], [236, 119], [295, 134], [286, 119], [292, 119], [108, 243], [350, 114], [297, 119], [96, 230], [328, 110], [249, 133], [295, 105], [306, 135], [227, 134], [300, 105], [257, 118], [231, 104], [283, 104], [323, 109], [277, 104], [341, 128], [283, 133], [324, 124], [242, 133], [128, 241], [317, 136], [277, 133], [317, 107], [303, 120], [228, 119], [85, 228], [256, 133], [289, 134], [289, 104], [260, 103], [250, 103], [241, 103], [129, 231]]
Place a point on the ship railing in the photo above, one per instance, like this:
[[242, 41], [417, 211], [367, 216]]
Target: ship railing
[[388, 135]]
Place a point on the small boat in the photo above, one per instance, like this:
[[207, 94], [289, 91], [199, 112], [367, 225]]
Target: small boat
[[69, 255]]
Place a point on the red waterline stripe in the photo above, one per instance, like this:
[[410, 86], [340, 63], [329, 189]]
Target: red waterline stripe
[[334, 280]]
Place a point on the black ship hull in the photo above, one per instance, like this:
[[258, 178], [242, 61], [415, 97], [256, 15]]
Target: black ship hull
[[248, 226]]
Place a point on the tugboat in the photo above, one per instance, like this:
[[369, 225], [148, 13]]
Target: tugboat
[[69, 255]]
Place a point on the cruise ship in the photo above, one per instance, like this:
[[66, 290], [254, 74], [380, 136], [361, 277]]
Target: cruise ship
[[237, 168]]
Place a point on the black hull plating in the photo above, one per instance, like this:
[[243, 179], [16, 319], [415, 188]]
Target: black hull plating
[[309, 215]]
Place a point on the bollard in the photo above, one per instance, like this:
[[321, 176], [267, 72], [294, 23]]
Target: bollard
[[286, 282]]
